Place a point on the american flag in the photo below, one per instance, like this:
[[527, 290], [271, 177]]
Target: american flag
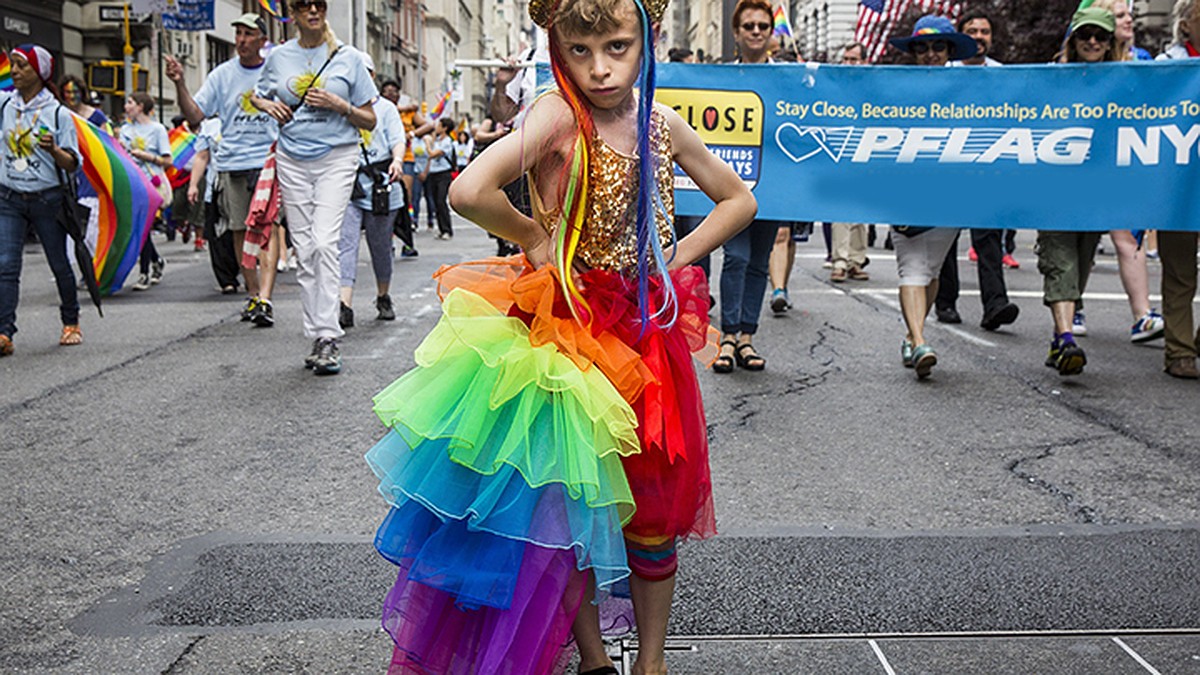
[[877, 19]]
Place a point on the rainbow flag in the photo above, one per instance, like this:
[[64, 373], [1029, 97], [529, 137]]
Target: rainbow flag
[[440, 106], [274, 8], [183, 149], [5, 72], [128, 203], [782, 25]]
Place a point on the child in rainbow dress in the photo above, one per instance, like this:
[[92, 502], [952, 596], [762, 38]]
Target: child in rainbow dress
[[551, 441]]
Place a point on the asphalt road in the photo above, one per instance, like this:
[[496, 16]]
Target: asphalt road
[[181, 496]]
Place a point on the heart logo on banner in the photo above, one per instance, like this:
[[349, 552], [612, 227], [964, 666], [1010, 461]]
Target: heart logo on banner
[[801, 143]]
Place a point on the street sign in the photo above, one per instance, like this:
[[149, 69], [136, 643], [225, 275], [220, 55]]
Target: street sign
[[114, 13]]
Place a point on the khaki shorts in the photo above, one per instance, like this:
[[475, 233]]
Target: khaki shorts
[[234, 193]]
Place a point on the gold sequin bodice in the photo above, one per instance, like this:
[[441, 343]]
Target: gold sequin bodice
[[609, 238]]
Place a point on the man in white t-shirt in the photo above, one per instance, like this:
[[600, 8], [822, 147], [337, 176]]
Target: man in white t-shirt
[[246, 136]]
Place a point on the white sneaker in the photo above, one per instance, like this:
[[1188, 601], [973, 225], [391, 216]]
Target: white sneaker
[[143, 283], [1078, 326], [1149, 327]]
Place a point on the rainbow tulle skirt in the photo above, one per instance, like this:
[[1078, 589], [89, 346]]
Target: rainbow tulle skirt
[[522, 451]]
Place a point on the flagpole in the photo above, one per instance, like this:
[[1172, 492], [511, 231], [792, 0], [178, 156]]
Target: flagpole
[[128, 51]]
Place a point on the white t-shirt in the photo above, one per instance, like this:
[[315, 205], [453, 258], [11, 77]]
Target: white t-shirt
[[25, 166], [442, 161], [246, 132], [150, 137], [290, 70], [387, 134]]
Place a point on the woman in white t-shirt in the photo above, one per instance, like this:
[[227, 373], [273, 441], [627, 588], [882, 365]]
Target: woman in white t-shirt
[[320, 93], [147, 142], [438, 174]]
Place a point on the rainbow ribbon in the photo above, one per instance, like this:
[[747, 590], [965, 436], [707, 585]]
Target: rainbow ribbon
[[128, 202]]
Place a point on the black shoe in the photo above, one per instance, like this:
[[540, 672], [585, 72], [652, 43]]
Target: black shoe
[[383, 304], [1066, 357], [1002, 316], [948, 315], [345, 316], [263, 314], [156, 270], [408, 252], [328, 358]]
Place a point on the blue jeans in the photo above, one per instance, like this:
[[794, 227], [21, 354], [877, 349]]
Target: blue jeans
[[18, 212], [744, 276]]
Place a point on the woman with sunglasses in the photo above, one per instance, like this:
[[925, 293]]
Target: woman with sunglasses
[[1065, 259], [1131, 258], [921, 251], [320, 93], [746, 264]]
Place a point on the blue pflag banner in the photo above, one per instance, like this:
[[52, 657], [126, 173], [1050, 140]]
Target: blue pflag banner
[[1062, 147], [190, 15]]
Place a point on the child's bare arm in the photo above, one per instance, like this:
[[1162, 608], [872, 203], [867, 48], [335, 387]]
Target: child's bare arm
[[478, 192], [734, 205]]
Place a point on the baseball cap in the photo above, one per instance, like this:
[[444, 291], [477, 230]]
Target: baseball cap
[[251, 20]]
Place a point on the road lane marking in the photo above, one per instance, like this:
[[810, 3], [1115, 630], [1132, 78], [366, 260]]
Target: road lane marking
[[1136, 657], [895, 304], [882, 659]]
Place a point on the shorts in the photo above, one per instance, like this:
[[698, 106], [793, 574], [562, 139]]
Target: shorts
[[410, 168], [1065, 260], [235, 189], [182, 211], [919, 257]]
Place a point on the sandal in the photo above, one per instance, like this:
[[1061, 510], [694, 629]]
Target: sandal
[[71, 336], [6, 346], [751, 361], [724, 362]]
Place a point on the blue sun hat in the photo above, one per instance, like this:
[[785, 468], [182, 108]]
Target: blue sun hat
[[932, 27]]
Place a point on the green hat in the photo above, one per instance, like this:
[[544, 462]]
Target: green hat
[[1094, 16]]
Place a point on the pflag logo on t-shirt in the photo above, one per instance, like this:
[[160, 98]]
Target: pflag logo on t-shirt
[[299, 84], [20, 142], [246, 104], [729, 122]]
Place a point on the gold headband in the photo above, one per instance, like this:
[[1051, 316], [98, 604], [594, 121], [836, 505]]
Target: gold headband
[[542, 11]]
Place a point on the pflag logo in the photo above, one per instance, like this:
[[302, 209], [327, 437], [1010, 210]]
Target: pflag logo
[[802, 143], [729, 122]]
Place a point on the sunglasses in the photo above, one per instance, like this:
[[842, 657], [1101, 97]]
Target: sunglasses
[[303, 5], [923, 46], [1086, 33], [751, 26]]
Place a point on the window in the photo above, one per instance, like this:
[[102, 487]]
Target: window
[[219, 52]]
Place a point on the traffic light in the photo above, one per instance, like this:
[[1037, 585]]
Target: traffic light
[[108, 77]]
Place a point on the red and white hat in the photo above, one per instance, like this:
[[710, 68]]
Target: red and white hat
[[39, 58]]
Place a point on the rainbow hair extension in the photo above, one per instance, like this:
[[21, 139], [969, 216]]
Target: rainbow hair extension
[[649, 201], [574, 200]]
